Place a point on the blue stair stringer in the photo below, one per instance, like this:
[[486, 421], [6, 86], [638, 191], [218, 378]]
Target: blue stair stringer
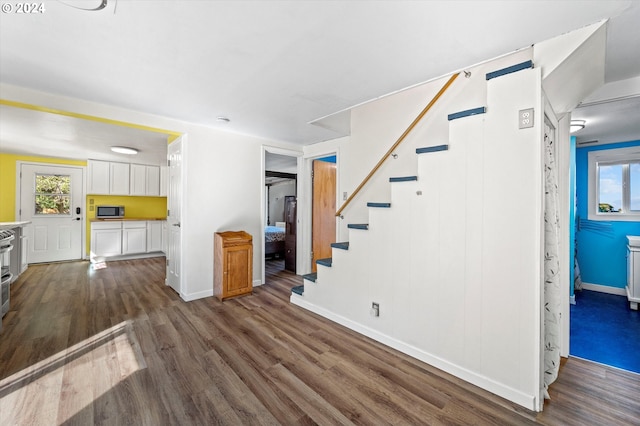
[[341, 246], [299, 290], [325, 262], [364, 226]]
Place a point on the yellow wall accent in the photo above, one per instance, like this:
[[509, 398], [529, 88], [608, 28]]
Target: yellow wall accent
[[171, 135], [142, 207], [8, 180]]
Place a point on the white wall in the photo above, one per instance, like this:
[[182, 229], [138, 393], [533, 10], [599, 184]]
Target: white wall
[[455, 264], [277, 192]]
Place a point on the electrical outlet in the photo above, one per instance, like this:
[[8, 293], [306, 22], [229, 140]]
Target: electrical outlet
[[525, 118], [344, 196]]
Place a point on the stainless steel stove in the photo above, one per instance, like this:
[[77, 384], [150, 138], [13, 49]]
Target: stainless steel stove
[[6, 238]]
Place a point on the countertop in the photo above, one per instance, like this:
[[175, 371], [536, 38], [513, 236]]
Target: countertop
[[125, 219], [11, 225]]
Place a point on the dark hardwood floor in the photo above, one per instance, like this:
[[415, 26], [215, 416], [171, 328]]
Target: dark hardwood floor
[[116, 346]]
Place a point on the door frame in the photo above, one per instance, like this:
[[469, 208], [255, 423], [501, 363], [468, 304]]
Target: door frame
[[306, 228], [83, 196], [182, 139], [263, 201]]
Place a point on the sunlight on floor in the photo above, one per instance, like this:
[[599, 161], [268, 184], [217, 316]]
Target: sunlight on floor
[[83, 373]]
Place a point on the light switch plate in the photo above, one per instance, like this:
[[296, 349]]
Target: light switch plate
[[525, 118]]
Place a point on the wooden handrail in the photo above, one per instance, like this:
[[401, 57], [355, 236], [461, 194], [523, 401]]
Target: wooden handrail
[[400, 139]]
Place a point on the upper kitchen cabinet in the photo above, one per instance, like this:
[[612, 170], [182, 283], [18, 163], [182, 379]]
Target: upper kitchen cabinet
[[98, 177], [109, 178], [119, 179], [145, 180], [106, 178]]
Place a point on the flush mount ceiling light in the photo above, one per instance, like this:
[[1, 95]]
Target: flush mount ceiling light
[[124, 150], [576, 125]]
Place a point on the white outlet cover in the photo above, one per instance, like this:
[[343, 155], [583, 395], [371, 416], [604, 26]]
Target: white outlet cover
[[525, 118]]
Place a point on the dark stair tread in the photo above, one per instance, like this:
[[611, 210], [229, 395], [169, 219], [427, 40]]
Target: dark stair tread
[[382, 205], [508, 70], [325, 262], [467, 113], [311, 277], [341, 246], [298, 289], [364, 226], [403, 179], [428, 149]]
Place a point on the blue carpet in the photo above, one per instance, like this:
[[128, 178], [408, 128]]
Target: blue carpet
[[604, 329]]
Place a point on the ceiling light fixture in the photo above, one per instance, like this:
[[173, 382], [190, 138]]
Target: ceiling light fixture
[[124, 150], [576, 125]]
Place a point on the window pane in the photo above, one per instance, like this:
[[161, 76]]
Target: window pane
[[634, 186], [52, 194], [53, 204], [610, 188]]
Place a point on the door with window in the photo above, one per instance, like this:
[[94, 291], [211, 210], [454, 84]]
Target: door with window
[[51, 199]]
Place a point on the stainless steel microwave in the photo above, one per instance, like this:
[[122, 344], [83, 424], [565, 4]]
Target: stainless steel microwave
[[109, 211]]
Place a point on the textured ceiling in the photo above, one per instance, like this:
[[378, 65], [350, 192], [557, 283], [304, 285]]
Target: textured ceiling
[[271, 66]]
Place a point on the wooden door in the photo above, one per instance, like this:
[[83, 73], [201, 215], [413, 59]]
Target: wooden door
[[324, 210]]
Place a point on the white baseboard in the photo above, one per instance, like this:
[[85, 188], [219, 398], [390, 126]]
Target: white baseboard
[[198, 295], [604, 289], [257, 283], [500, 389], [572, 299]]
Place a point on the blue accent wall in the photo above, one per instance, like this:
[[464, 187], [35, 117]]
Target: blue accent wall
[[572, 211], [601, 254], [330, 159]]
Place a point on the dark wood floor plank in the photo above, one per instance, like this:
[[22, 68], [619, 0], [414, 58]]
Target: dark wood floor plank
[[117, 346]]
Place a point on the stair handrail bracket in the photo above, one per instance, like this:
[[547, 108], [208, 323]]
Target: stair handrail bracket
[[398, 142]]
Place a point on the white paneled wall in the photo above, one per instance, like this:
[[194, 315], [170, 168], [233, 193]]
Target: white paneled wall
[[455, 262]]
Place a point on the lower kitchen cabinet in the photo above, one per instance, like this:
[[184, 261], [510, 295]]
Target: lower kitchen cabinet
[[134, 237], [106, 239], [127, 238]]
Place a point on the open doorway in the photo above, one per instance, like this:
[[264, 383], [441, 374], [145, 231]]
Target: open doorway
[[280, 213], [604, 325], [323, 232]]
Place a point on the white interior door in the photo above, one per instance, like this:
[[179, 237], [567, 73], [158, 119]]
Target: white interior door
[[51, 198], [174, 204]]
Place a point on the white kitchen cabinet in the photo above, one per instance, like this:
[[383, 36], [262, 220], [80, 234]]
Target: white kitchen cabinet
[[98, 177], [106, 239], [109, 178], [152, 188], [138, 179], [134, 237], [128, 238], [633, 275], [119, 179], [154, 235]]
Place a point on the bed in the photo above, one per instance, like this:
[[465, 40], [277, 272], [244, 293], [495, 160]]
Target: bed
[[274, 240]]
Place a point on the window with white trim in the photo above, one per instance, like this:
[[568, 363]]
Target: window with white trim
[[614, 184]]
